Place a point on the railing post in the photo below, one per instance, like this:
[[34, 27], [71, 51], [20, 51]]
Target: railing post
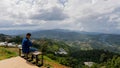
[[20, 49]]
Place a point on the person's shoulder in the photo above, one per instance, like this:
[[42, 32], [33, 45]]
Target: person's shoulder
[[25, 39]]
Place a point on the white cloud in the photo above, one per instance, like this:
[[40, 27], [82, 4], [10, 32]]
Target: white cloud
[[82, 15]]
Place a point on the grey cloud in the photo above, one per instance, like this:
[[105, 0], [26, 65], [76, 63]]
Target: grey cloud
[[116, 11], [10, 24], [27, 25], [5, 23], [44, 14], [54, 14], [101, 22], [28, 1]]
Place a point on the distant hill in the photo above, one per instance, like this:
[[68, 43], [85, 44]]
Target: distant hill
[[14, 32], [82, 40], [55, 34], [4, 37]]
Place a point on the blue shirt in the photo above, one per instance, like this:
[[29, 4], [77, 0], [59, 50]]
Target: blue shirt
[[26, 43]]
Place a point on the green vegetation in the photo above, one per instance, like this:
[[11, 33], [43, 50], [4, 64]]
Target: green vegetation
[[4, 38], [48, 59], [111, 63], [97, 56], [7, 53], [16, 39], [75, 57]]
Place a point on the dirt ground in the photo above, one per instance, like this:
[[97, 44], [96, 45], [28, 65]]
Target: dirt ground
[[16, 62]]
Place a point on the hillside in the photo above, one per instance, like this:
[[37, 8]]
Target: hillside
[[75, 57], [14, 32], [82, 40]]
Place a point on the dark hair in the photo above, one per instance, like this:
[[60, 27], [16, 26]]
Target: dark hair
[[28, 34]]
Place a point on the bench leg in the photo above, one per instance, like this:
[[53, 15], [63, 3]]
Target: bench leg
[[32, 57], [37, 59]]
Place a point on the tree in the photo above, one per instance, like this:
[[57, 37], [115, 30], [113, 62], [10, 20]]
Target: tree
[[103, 57], [113, 63]]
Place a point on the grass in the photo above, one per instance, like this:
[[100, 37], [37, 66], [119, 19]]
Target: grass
[[8, 52], [48, 59], [48, 62]]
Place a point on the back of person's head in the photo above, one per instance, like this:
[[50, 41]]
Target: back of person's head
[[28, 34]]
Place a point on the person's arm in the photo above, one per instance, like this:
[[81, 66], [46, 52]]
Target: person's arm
[[30, 43]]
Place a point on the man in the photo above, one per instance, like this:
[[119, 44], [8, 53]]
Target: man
[[26, 44]]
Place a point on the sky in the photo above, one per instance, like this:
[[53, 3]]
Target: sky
[[78, 15]]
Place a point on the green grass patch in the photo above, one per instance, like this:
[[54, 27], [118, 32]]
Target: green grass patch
[[7, 53], [48, 59]]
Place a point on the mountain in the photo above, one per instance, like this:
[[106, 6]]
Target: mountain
[[82, 40], [55, 34], [15, 32]]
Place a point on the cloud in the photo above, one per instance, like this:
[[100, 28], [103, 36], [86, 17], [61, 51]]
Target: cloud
[[97, 17], [50, 15], [101, 22], [94, 1], [79, 15]]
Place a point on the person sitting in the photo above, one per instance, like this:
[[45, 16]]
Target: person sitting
[[26, 46]]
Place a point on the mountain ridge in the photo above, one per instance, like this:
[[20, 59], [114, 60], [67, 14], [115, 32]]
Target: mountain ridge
[[18, 32]]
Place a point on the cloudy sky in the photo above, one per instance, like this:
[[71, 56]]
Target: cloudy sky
[[79, 15]]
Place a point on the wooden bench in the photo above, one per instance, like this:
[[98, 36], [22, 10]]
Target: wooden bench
[[34, 55]]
